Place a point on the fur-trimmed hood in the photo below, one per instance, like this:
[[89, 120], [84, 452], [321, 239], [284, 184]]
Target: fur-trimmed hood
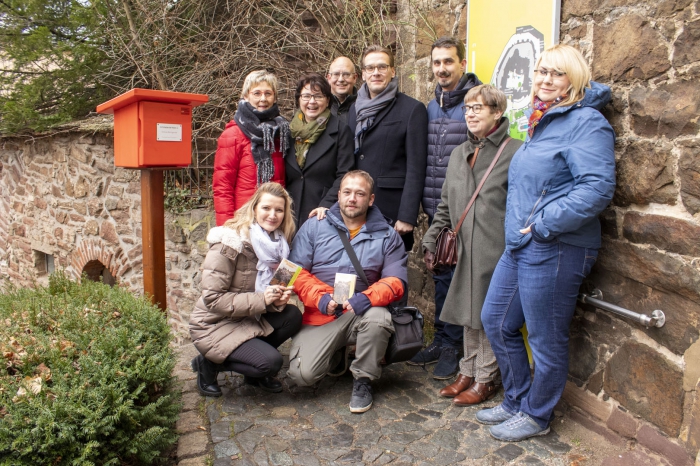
[[227, 237]]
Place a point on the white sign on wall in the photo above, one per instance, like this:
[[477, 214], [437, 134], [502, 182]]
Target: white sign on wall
[[168, 132]]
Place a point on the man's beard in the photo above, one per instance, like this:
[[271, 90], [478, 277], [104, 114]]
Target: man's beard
[[357, 213], [445, 80]]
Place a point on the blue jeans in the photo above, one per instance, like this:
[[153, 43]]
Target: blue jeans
[[445, 334], [536, 285]]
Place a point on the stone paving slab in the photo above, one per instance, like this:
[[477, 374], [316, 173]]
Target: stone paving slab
[[409, 424]]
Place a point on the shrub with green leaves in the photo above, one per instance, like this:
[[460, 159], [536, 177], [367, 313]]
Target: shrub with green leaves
[[87, 376]]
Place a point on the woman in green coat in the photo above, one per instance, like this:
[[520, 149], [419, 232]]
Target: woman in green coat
[[481, 240]]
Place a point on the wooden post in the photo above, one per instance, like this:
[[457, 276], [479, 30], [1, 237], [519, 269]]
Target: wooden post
[[153, 236], [152, 131]]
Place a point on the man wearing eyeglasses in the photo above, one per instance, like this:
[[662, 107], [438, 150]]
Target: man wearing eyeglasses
[[342, 77], [447, 129], [390, 141]]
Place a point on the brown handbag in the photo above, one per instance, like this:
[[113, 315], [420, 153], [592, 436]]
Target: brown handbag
[[446, 241]]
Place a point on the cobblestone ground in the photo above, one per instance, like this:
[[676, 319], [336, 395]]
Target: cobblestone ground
[[409, 424]]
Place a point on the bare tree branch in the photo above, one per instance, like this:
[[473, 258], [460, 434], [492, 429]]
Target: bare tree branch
[[210, 46]]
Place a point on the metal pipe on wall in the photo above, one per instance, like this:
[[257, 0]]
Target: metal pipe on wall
[[595, 298]]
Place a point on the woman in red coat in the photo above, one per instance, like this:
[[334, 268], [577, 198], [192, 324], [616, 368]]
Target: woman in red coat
[[252, 148]]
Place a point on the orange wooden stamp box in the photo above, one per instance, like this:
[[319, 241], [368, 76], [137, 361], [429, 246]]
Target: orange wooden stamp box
[[152, 128]]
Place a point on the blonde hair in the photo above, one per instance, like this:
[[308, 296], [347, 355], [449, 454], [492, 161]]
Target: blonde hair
[[490, 95], [567, 59], [245, 216], [359, 174], [257, 77]]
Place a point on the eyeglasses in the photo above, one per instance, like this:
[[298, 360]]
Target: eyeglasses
[[337, 74], [555, 74], [308, 97], [476, 108], [382, 67], [259, 94]]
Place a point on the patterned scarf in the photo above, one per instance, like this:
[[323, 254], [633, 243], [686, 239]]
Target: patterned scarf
[[305, 133], [539, 108], [269, 252], [262, 128], [367, 109]]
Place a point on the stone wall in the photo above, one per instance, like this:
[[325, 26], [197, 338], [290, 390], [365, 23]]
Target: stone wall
[[62, 200], [625, 379], [185, 248], [648, 53], [62, 197]]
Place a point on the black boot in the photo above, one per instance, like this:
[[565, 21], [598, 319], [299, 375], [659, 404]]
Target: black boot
[[269, 384], [206, 376]]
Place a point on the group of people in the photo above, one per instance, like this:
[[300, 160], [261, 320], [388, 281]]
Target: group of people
[[357, 164]]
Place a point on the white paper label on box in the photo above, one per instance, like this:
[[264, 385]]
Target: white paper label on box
[[168, 132]]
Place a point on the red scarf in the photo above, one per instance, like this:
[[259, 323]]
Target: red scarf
[[539, 109]]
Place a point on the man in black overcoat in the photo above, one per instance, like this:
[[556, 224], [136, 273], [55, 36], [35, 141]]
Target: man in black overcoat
[[391, 140]]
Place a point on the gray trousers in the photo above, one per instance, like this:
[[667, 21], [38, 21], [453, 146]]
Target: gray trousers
[[313, 346], [478, 361]]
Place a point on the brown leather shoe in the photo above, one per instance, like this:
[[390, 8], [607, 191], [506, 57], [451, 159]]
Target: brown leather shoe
[[458, 386], [477, 393]]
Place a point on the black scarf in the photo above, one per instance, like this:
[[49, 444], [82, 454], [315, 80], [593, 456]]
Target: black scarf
[[262, 128], [449, 99]]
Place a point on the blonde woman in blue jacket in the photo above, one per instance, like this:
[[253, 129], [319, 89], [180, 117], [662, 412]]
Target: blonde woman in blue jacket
[[558, 183]]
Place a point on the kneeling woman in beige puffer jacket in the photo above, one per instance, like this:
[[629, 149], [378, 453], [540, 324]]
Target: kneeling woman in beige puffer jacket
[[241, 320]]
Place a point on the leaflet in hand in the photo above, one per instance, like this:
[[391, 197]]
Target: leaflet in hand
[[286, 273], [344, 287]]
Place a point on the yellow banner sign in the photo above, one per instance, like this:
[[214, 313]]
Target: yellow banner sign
[[504, 40]]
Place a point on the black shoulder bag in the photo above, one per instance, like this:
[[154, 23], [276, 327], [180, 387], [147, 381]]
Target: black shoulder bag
[[407, 339]]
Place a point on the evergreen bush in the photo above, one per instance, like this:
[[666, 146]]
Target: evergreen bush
[[87, 376]]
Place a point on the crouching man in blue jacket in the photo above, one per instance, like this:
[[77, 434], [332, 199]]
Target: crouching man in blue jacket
[[363, 319]]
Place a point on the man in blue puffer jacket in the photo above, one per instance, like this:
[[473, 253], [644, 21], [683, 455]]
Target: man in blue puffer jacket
[[447, 129]]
